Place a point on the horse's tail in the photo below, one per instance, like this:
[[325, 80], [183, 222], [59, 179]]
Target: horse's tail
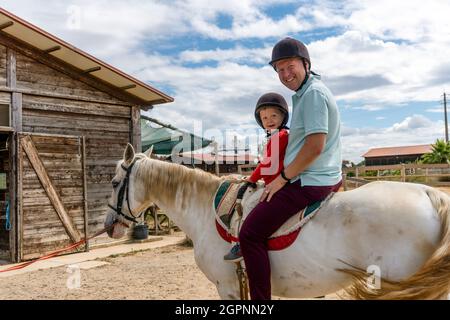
[[431, 281]]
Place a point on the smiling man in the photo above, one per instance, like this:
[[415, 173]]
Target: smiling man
[[312, 164]]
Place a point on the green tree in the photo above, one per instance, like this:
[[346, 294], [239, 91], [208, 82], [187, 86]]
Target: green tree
[[440, 153]]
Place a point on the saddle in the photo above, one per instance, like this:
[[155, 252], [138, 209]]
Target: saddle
[[225, 210]]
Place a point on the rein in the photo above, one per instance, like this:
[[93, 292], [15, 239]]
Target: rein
[[57, 252], [125, 185]]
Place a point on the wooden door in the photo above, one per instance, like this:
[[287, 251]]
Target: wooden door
[[51, 192]]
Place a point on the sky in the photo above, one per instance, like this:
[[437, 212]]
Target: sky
[[387, 62]]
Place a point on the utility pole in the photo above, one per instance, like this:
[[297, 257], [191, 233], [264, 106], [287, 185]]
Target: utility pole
[[445, 113], [216, 157]]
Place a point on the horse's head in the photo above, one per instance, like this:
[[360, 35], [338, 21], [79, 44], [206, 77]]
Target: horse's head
[[126, 203]]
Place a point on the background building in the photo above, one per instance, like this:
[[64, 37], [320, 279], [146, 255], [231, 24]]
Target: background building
[[395, 155]]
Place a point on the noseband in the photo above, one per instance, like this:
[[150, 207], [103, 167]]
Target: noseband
[[124, 186]]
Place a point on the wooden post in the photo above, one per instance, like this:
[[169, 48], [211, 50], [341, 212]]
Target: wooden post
[[216, 157], [16, 111], [85, 200], [403, 172], [11, 78], [33, 156], [19, 200], [136, 128], [14, 179], [14, 232], [356, 172], [344, 181]]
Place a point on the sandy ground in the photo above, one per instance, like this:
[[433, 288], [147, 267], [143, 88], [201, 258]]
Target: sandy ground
[[158, 274], [163, 273]]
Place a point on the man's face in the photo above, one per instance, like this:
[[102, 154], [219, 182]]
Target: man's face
[[291, 72]]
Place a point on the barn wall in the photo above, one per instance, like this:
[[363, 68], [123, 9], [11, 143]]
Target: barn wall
[[107, 131], [2, 65], [33, 75], [51, 100], [105, 126], [42, 230]]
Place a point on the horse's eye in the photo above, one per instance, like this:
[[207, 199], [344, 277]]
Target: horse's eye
[[115, 184]]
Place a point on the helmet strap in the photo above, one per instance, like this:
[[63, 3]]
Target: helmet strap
[[306, 75]]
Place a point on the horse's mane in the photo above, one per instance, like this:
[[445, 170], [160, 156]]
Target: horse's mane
[[168, 181]]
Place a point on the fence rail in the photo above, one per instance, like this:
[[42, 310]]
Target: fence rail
[[430, 174]]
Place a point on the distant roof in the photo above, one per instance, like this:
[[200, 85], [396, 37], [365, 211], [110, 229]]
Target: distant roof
[[42, 40], [398, 151]]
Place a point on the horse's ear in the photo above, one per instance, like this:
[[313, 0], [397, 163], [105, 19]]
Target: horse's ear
[[128, 154], [149, 151]]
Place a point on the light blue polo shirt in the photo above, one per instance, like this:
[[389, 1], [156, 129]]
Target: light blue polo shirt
[[314, 110]]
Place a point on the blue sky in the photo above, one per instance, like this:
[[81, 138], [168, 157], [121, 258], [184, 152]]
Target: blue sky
[[386, 62]]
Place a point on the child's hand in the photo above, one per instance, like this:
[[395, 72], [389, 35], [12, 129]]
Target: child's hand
[[272, 188]]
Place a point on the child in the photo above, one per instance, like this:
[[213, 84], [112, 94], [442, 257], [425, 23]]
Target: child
[[271, 114]]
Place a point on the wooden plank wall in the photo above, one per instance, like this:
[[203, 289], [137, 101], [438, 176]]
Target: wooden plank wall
[[2, 65], [102, 119], [42, 228], [33, 75], [54, 103], [107, 131]]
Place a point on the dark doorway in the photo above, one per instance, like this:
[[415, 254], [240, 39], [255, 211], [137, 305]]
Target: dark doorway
[[5, 216]]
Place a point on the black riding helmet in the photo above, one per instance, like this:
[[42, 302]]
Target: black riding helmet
[[289, 48], [272, 99]]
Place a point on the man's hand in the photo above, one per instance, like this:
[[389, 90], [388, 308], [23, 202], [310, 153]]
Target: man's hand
[[272, 188]]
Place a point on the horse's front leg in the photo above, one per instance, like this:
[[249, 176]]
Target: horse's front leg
[[221, 273], [228, 288]]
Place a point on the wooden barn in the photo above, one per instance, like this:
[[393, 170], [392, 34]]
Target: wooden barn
[[66, 118]]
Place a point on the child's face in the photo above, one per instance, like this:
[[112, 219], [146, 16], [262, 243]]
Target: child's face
[[271, 118]]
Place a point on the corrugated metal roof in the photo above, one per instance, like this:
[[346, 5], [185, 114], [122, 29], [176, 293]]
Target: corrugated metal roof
[[398, 151], [71, 55]]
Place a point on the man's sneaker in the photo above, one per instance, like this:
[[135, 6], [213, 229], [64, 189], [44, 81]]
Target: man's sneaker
[[235, 254]]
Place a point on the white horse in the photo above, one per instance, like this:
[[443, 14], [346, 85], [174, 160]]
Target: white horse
[[399, 231]]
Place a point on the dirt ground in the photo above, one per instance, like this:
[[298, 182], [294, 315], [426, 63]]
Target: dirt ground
[[168, 273], [163, 273]]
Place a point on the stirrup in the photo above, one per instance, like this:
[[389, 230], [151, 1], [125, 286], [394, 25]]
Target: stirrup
[[243, 281]]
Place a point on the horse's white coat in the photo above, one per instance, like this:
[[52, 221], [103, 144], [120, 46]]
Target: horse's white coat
[[390, 225]]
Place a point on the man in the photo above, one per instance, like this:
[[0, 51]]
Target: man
[[312, 164]]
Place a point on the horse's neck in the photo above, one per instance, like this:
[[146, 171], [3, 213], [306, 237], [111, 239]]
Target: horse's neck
[[185, 195]]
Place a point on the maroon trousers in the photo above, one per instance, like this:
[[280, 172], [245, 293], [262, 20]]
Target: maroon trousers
[[263, 221]]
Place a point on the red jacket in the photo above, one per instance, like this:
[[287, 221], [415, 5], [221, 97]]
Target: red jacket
[[272, 157]]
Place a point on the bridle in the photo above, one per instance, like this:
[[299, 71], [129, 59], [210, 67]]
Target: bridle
[[121, 194]]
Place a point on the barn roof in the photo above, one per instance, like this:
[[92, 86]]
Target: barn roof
[[398, 151], [46, 42]]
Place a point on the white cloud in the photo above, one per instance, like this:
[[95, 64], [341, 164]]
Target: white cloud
[[411, 123], [371, 107], [237, 54], [385, 53], [413, 130]]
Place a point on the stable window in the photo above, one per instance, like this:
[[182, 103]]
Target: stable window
[[4, 115]]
